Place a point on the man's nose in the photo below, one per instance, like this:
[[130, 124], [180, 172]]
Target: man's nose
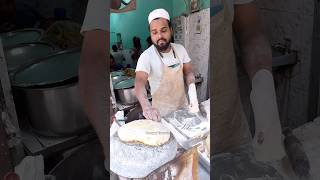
[[160, 35]]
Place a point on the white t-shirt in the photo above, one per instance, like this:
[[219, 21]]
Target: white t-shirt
[[97, 15], [150, 62]]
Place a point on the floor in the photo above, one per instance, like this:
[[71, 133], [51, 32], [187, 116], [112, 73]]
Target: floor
[[309, 135]]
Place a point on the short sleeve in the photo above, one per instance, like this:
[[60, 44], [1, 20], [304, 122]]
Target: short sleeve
[[185, 56], [242, 1], [143, 63], [97, 15]]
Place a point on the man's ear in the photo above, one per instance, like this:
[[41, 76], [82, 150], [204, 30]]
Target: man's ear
[[172, 32]]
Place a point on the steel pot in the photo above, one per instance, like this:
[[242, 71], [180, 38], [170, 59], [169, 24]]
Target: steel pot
[[47, 92], [124, 92], [54, 111]]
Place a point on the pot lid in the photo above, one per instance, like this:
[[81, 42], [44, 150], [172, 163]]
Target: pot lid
[[25, 53], [49, 70], [128, 83], [21, 36], [117, 73]]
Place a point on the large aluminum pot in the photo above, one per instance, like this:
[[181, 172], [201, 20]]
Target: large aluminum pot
[[21, 36], [25, 53], [124, 92], [54, 111], [48, 93]]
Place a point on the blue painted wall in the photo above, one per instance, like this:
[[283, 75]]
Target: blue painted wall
[[135, 23]]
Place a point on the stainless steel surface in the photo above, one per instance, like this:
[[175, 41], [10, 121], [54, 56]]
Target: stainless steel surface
[[55, 111], [54, 68], [22, 54], [204, 161], [188, 129], [21, 36], [124, 91], [126, 96]]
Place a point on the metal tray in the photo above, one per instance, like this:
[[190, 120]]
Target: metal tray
[[204, 161]]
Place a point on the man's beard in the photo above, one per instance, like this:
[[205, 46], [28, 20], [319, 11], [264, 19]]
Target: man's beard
[[163, 46]]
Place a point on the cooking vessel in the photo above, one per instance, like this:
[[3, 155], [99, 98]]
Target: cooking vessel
[[47, 91], [54, 111], [116, 79], [124, 91], [24, 53], [26, 35], [47, 71], [117, 73]]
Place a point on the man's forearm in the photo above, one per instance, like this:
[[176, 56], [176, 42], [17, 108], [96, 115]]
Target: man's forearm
[[93, 89], [254, 45], [142, 96], [189, 78], [256, 53]]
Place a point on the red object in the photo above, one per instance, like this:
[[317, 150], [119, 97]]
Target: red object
[[11, 176]]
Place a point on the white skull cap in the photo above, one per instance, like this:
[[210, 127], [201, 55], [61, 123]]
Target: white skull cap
[[158, 13]]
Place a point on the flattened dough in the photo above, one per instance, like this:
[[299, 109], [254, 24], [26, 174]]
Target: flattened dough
[[145, 132]]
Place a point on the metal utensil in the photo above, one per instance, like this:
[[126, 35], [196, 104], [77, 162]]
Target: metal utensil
[[180, 122]]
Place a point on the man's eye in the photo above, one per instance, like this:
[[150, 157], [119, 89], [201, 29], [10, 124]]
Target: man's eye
[[154, 33], [164, 30]]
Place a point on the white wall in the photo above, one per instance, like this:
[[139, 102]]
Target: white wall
[[291, 19]]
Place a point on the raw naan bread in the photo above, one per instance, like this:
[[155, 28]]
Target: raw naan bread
[[147, 132]]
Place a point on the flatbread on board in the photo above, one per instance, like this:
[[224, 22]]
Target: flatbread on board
[[145, 132]]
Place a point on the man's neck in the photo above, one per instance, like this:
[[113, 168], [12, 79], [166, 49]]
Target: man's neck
[[167, 50]]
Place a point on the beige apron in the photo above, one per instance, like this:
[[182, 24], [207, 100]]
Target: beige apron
[[229, 127], [170, 95]]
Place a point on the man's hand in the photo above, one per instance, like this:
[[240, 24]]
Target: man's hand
[[193, 105], [192, 92], [151, 113], [141, 93]]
